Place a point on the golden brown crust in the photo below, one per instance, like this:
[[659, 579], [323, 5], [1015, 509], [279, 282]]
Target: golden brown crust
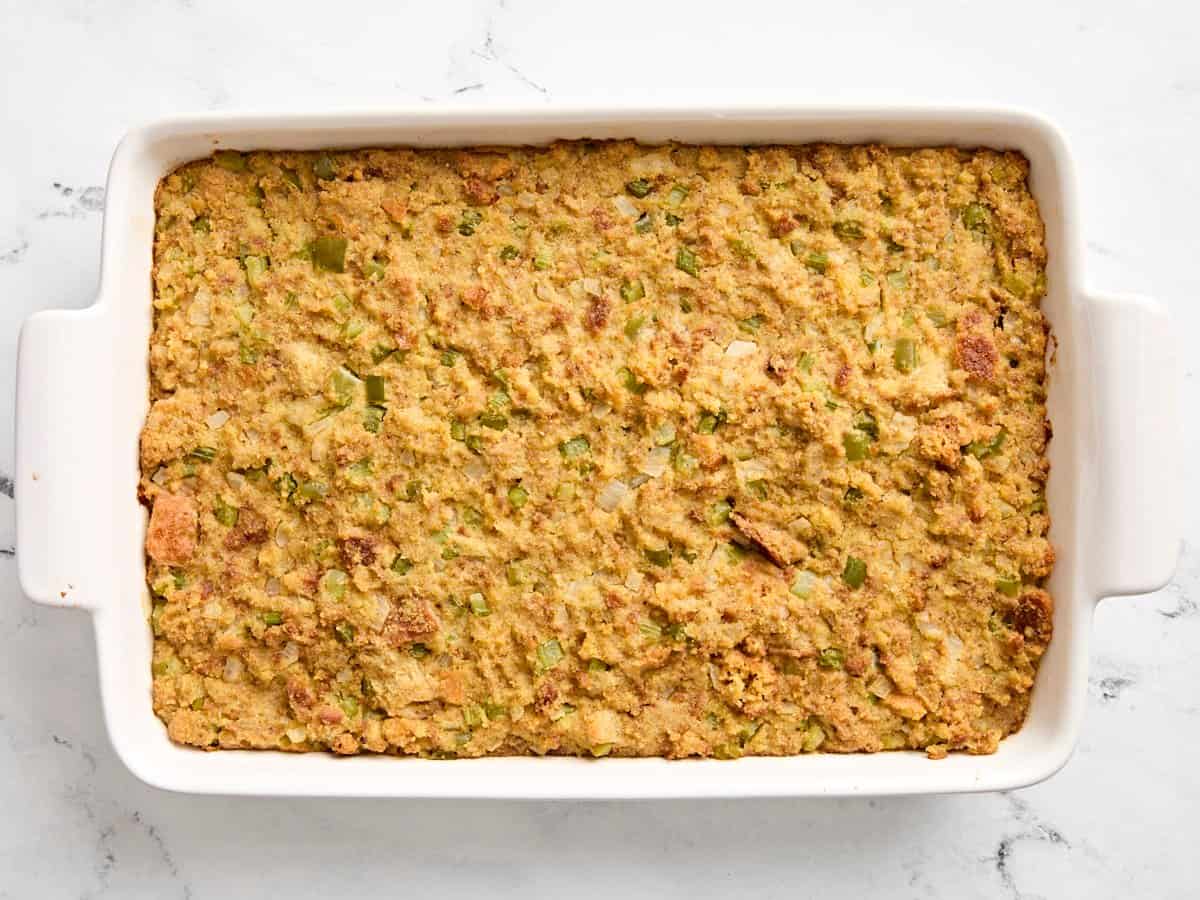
[[598, 449]]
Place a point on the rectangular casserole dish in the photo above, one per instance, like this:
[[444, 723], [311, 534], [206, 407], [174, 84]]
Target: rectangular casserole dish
[[82, 398]]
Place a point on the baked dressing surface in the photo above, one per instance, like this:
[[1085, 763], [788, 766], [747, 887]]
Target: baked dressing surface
[[598, 449]]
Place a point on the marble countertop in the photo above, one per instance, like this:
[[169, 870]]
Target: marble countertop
[[1124, 85]]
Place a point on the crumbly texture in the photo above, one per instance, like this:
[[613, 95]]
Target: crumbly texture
[[598, 449]]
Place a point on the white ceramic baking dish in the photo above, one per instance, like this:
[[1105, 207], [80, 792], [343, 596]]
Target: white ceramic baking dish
[[82, 396]]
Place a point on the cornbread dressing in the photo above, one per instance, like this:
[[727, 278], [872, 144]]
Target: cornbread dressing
[[598, 449]]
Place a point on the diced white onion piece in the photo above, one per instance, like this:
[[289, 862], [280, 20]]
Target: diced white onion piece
[[750, 470], [200, 309], [160, 476], [739, 349], [633, 581], [656, 461], [234, 667], [281, 539], [212, 609], [881, 686], [272, 587], [217, 419], [235, 480], [475, 469], [600, 410], [297, 735], [383, 609], [611, 495], [345, 676], [290, 654], [626, 207]]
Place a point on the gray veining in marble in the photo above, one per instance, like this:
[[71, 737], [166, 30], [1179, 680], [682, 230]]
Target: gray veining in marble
[[1122, 81]]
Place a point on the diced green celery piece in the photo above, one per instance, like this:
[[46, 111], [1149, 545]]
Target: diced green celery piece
[[344, 632], [375, 388], [517, 496], [848, 230], [374, 270], [676, 631], [685, 261], [650, 630], [898, 280], [543, 260], [818, 262], [857, 445], [458, 431], [343, 385], [256, 268], [1009, 585], [418, 651], [855, 572], [685, 463], [758, 488], [630, 381], [639, 187], [549, 654], [230, 160], [470, 220], [309, 491], [225, 513], [203, 454], [741, 249], [292, 177], [752, 324], [450, 358], [665, 435], [677, 195], [478, 604], [984, 449], [975, 216], [905, 355], [657, 557], [493, 420], [514, 574], [853, 495], [201, 225], [474, 716], [508, 251], [329, 253], [373, 418], [402, 565], [633, 326], [474, 443], [323, 167], [576, 446], [632, 291], [718, 513], [644, 223], [830, 658], [333, 584]]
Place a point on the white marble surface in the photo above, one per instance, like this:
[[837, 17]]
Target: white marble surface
[[1123, 81]]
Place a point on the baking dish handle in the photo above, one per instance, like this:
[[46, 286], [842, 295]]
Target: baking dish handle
[[62, 480], [1136, 514]]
